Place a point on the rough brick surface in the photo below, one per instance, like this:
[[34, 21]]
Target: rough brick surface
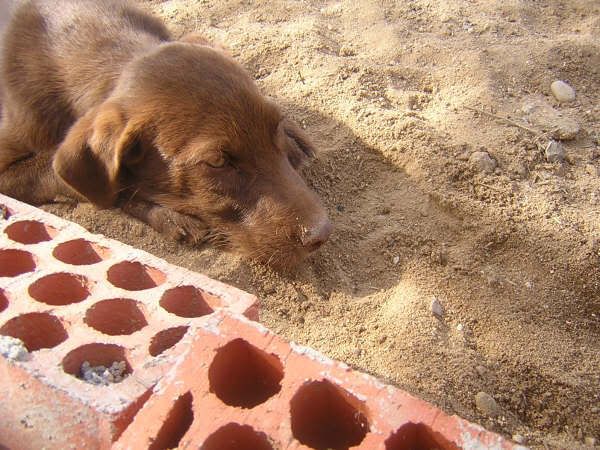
[[200, 373]]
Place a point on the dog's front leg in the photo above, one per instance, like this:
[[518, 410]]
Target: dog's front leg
[[175, 225]]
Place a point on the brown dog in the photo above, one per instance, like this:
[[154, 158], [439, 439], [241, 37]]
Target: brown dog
[[101, 105]]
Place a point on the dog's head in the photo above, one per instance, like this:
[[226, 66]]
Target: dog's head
[[187, 128]]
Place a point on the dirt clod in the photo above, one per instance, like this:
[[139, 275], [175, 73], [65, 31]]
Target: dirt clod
[[101, 375]]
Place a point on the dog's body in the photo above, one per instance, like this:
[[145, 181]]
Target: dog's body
[[99, 104]]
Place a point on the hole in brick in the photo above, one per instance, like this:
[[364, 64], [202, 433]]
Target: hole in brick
[[187, 301], [134, 276], [237, 437], [29, 232], [243, 375], [417, 436], [116, 316], [36, 330], [59, 289], [325, 416], [176, 424], [96, 355], [15, 262], [3, 301], [166, 339], [80, 252]]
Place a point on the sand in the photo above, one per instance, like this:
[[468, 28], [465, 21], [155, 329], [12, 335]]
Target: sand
[[512, 256]]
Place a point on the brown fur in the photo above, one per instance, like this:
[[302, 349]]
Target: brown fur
[[99, 104]]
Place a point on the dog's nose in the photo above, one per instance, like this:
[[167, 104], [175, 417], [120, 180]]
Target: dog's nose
[[317, 235]]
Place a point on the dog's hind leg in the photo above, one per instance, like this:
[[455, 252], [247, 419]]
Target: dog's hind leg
[[32, 180], [11, 149]]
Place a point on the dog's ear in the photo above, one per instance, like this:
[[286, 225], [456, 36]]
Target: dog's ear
[[90, 158], [298, 137]]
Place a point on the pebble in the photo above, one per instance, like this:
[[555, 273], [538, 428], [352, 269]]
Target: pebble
[[562, 91], [460, 327], [13, 348], [554, 152], [396, 260], [519, 438], [482, 161], [486, 404], [590, 441], [436, 308]]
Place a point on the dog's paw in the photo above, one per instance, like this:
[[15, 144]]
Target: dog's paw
[[177, 226]]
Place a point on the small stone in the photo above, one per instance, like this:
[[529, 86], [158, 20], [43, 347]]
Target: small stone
[[590, 441], [562, 91], [101, 375], [436, 308], [486, 404], [459, 327], [13, 348], [396, 260], [554, 152], [481, 370], [519, 439], [482, 161]]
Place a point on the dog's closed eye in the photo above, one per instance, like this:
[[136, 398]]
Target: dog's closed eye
[[217, 160]]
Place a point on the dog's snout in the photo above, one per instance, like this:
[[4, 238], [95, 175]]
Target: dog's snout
[[314, 237]]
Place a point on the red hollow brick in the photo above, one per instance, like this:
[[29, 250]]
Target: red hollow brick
[[280, 395]]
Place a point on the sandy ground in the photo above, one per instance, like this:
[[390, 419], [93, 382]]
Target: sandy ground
[[512, 256]]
